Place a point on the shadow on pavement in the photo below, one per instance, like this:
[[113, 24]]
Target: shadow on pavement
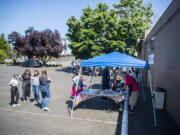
[[38, 105], [69, 106], [118, 127], [95, 103], [142, 123], [65, 69]]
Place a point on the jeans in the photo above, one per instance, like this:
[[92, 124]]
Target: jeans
[[45, 98], [36, 92], [14, 93]]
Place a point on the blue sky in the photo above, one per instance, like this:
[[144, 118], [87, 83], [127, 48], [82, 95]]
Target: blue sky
[[18, 15]]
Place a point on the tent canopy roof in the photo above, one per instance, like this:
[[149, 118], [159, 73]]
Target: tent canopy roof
[[115, 59]]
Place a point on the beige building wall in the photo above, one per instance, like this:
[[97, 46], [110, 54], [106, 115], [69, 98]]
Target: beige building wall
[[164, 41]]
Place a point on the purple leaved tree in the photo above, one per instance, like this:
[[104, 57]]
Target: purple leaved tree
[[44, 44]]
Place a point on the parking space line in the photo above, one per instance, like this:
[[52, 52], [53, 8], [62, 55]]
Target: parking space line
[[59, 116], [97, 121]]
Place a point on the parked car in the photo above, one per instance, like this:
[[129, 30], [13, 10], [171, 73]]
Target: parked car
[[31, 63]]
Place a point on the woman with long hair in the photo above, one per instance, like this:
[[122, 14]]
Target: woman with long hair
[[35, 85], [26, 85], [44, 86]]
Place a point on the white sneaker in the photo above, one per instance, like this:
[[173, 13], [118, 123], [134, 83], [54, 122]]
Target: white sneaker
[[28, 99], [24, 101], [43, 109], [18, 104], [47, 109], [14, 105]]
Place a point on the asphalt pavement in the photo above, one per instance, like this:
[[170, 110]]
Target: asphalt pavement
[[93, 117]]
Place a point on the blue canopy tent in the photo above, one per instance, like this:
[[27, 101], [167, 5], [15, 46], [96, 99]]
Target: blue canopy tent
[[116, 59]]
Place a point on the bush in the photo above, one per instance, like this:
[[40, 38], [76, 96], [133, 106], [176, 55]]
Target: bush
[[3, 55], [59, 65], [12, 63]]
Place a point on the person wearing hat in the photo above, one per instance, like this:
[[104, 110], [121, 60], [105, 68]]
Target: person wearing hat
[[14, 90]]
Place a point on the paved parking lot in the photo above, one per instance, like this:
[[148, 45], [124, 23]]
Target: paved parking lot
[[97, 118]]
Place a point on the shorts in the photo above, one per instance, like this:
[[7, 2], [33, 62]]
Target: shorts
[[133, 98]]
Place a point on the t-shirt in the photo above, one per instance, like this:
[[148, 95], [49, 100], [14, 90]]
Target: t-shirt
[[76, 80], [105, 75], [14, 82], [135, 87], [129, 80], [44, 84], [35, 80], [26, 79]]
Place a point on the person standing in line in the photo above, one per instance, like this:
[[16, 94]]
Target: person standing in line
[[35, 85], [44, 86], [14, 90], [26, 85]]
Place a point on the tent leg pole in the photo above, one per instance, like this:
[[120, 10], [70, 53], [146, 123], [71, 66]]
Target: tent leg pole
[[72, 110], [75, 92], [92, 79], [142, 86], [152, 97]]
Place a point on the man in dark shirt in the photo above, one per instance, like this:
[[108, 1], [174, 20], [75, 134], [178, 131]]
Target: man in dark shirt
[[105, 78]]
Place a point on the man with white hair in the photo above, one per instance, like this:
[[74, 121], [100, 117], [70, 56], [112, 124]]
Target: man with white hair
[[133, 90]]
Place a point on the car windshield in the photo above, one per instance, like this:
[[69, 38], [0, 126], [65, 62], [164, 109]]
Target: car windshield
[[32, 61]]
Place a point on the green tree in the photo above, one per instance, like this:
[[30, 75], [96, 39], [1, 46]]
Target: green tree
[[5, 49], [103, 30], [95, 33], [134, 18], [3, 55], [4, 45]]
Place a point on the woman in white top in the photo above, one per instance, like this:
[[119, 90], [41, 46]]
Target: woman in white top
[[77, 82], [14, 90], [35, 85]]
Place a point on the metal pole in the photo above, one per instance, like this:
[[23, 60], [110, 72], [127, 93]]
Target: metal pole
[[76, 91], [152, 97], [124, 127], [92, 78], [142, 86]]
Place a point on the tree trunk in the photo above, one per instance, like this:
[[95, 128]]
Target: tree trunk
[[44, 62], [14, 61]]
